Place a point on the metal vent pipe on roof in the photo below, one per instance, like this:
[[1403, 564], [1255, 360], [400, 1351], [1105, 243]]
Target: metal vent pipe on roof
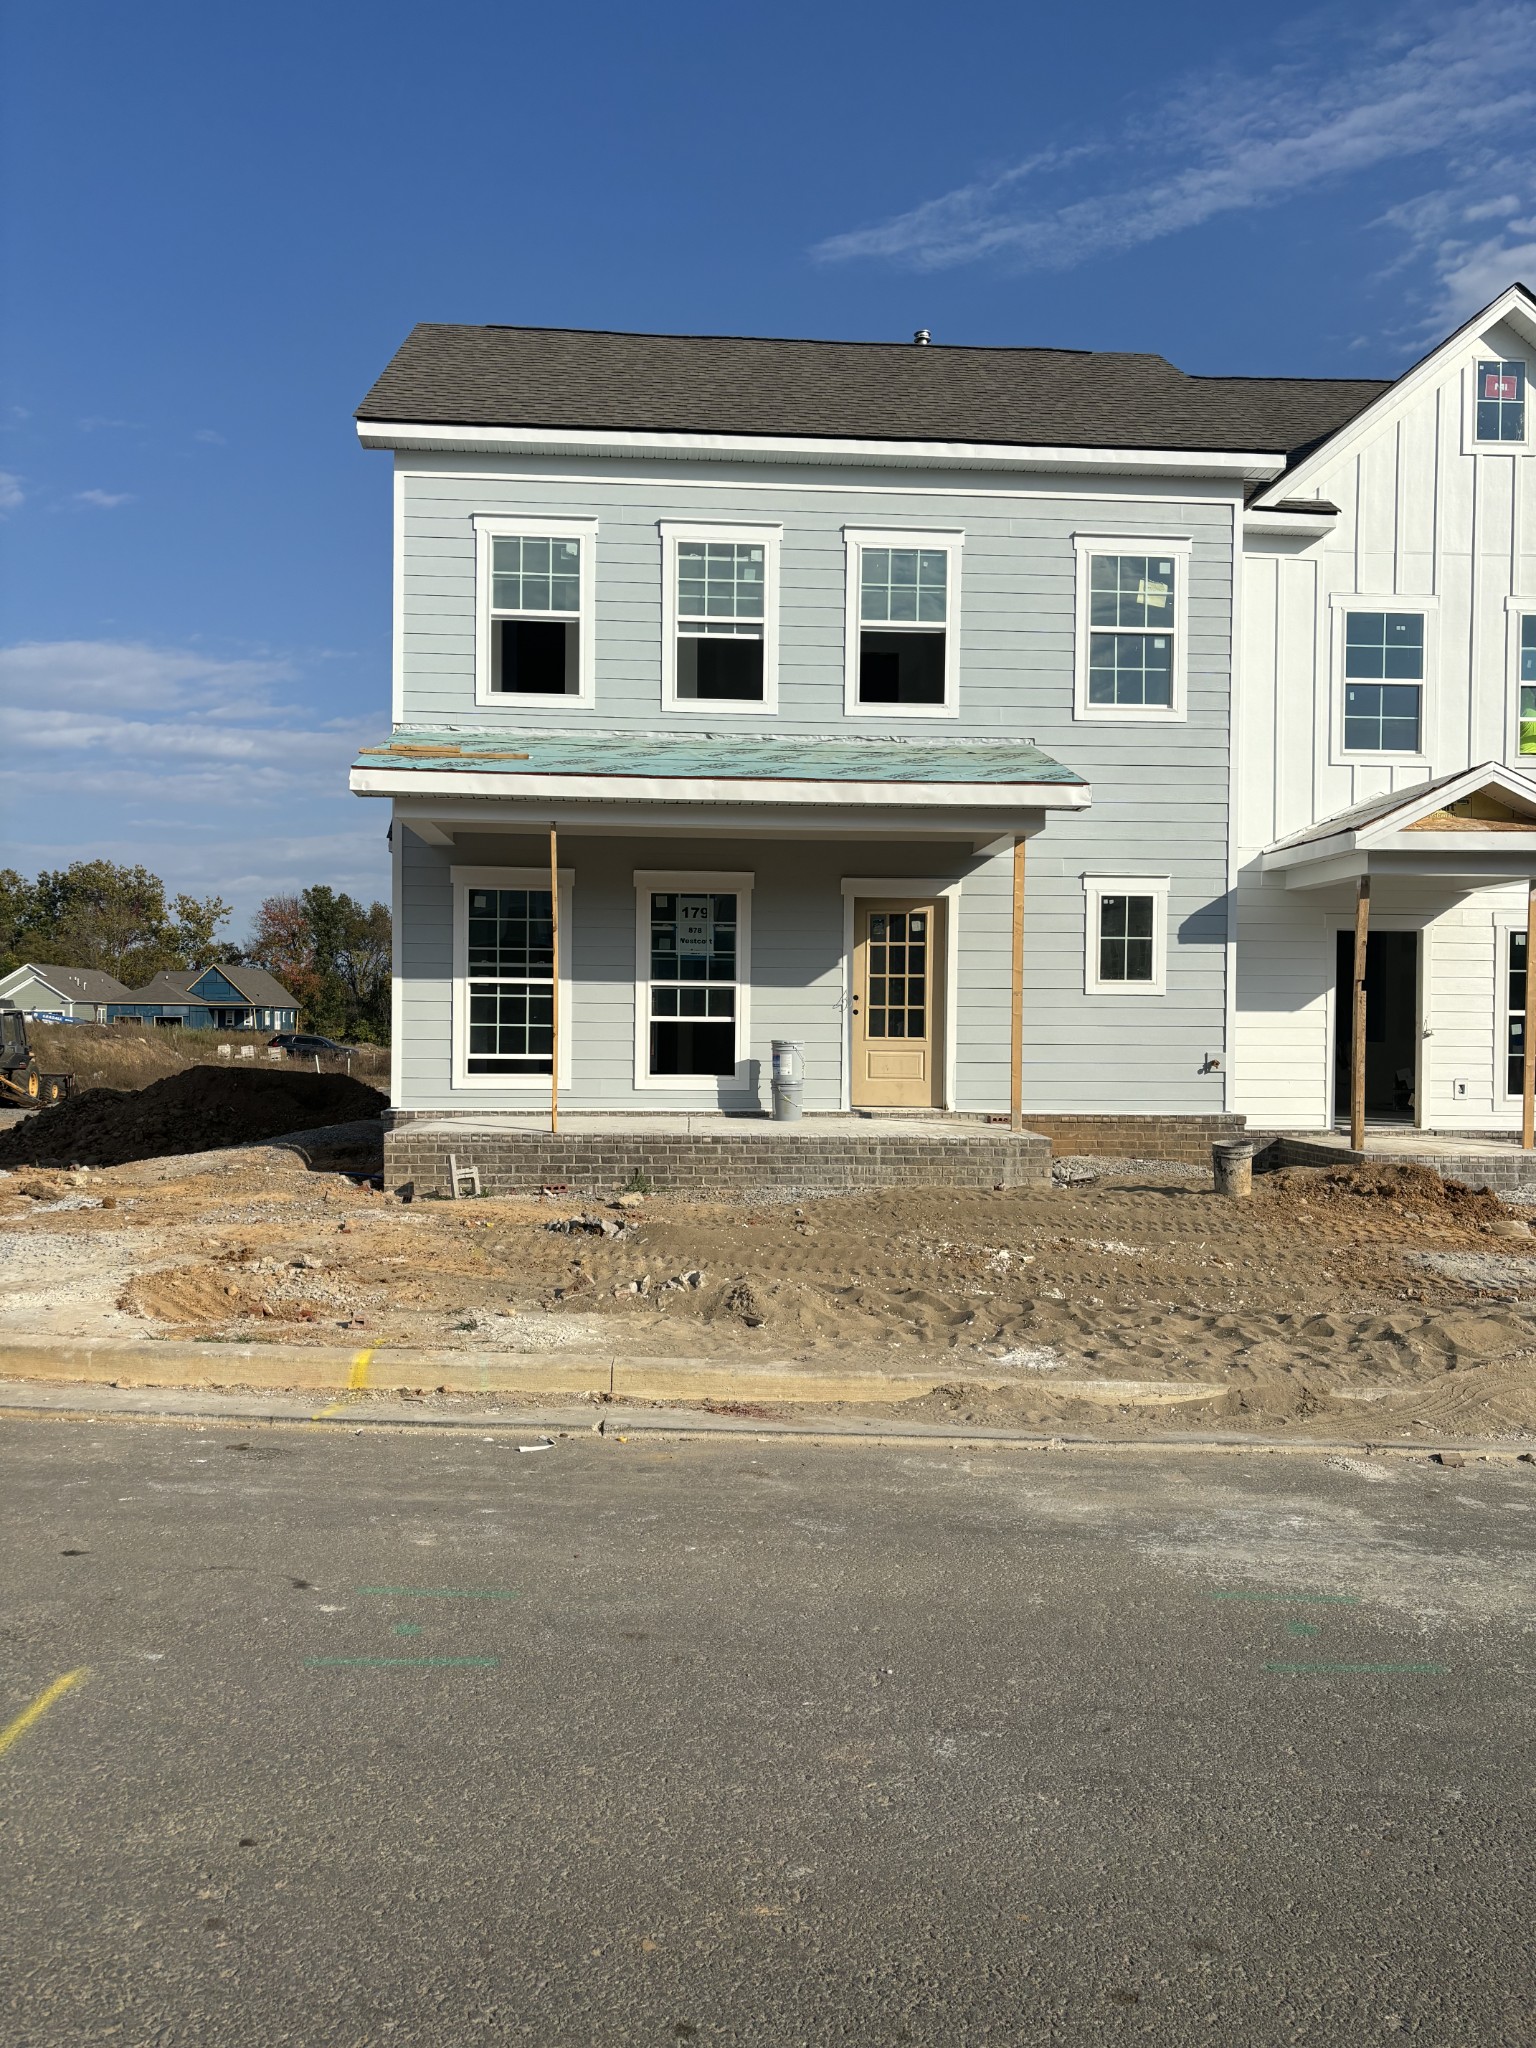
[[921, 338]]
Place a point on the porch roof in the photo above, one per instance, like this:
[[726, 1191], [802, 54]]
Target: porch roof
[[715, 768], [1476, 826]]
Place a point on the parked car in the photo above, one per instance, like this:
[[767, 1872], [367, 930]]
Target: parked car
[[306, 1045]]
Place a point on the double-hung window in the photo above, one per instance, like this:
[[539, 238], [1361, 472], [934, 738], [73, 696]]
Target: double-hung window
[[534, 627], [1499, 400], [1126, 934], [1132, 609], [1383, 682], [692, 976], [1527, 685], [903, 623], [720, 625], [504, 948]]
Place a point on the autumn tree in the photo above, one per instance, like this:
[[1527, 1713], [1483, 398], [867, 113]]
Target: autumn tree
[[95, 913], [334, 956]]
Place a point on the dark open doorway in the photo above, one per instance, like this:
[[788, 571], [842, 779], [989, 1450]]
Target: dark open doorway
[[1391, 1025]]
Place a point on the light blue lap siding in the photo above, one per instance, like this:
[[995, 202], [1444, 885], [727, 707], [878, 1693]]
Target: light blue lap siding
[[1160, 791]]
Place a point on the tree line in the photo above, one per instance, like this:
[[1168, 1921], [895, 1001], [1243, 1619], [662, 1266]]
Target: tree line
[[330, 951]]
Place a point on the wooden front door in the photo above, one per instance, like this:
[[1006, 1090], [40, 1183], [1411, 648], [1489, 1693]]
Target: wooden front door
[[898, 1008]]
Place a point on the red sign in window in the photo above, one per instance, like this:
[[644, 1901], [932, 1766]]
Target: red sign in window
[[1497, 385]]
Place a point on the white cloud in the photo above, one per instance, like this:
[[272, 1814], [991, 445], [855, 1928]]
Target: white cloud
[[203, 768], [207, 434], [105, 500], [11, 493], [1231, 143]]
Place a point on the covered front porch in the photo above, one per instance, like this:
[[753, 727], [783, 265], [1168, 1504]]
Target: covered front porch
[[1419, 908], [587, 929]]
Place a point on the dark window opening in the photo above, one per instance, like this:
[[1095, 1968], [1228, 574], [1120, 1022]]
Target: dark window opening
[[686, 1047], [718, 667], [901, 668], [536, 657]]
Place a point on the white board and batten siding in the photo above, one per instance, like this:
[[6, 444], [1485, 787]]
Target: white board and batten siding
[[1160, 791], [1427, 520]]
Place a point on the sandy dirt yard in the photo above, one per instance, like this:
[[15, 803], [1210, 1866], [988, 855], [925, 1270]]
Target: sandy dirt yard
[[1332, 1303]]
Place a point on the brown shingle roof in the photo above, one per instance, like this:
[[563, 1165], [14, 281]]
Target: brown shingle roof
[[548, 378]]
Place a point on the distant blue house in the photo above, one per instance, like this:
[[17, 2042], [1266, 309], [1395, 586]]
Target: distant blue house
[[215, 999]]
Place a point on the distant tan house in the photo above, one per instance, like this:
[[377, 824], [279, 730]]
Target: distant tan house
[[84, 993]]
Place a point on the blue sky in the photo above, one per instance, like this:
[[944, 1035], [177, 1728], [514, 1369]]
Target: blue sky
[[219, 222]]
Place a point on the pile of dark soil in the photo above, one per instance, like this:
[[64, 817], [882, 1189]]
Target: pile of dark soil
[[1408, 1187], [200, 1110]]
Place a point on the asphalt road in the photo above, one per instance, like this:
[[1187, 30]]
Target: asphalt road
[[399, 1738]]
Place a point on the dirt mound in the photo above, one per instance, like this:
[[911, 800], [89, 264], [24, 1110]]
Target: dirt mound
[[199, 1110], [1409, 1187]]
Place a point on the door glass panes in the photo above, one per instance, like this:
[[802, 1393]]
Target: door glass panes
[[530, 575], [1134, 664], [1528, 683], [1383, 717], [693, 986], [1125, 938], [511, 981], [1501, 401], [1516, 1046], [896, 997], [903, 586]]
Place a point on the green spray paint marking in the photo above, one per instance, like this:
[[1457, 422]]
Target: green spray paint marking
[[1382, 1670], [1292, 1628], [1285, 1599], [432, 1593], [435, 1663], [413, 1628]]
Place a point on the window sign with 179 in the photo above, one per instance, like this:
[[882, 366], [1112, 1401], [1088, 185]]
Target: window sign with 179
[[695, 927]]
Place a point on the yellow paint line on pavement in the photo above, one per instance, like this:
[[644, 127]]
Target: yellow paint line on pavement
[[40, 1706], [357, 1383]]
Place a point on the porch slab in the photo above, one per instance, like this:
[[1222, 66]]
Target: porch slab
[[595, 1154], [1490, 1159]]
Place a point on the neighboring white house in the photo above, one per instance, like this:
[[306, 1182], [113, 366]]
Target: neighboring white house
[[81, 992], [1385, 727]]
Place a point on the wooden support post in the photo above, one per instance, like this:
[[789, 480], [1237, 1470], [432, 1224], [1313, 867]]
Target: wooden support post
[[554, 987], [1357, 1017], [1016, 1020], [1528, 1075]]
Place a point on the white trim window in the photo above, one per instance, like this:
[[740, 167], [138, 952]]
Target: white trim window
[[692, 969], [1498, 401], [1525, 683], [902, 657], [1126, 934], [503, 977], [720, 634], [533, 610], [1132, 627], [1383, 665]]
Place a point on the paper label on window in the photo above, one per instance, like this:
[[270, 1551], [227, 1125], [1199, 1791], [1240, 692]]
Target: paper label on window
[[1150, 593], [1496, 385], [695, 927]]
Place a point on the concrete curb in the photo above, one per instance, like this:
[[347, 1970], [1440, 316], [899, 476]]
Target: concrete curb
[[358, 1413], [326, 1369]]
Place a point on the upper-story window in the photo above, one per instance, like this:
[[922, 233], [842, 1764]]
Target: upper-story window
[[1131, 627], [1500, 400], [1527, 656], [721, 624], [534, 612], [1383, 682], [903, 620]]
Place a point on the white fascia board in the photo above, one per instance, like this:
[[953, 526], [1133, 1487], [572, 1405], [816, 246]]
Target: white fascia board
[[1055, 796], [1453, 843], [1514, 305], [1257, 466], [726, 821]]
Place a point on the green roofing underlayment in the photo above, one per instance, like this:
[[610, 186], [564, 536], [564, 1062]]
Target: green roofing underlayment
[[714, 759]]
